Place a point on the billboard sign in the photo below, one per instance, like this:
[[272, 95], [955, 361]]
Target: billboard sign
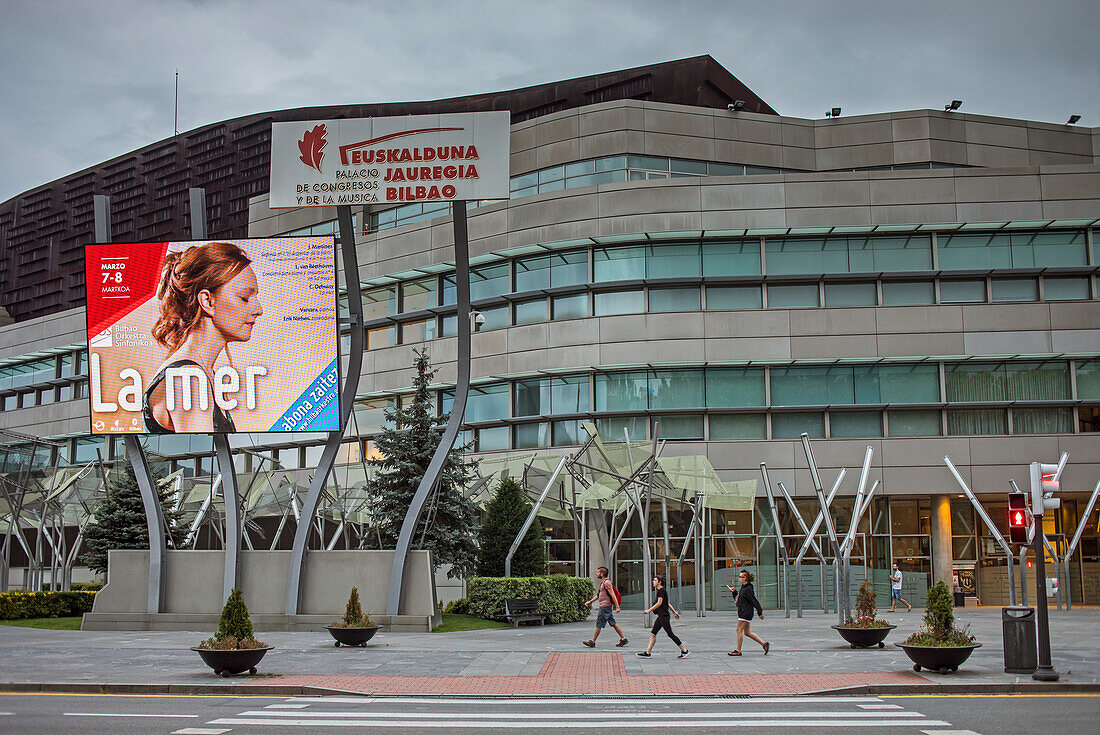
[[415, 158], [214, 336]]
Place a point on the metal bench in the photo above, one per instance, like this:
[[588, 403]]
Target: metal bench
[[519, 610]]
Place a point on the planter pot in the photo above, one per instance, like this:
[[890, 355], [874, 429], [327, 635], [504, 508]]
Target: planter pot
[[864, 637], [938, 658], [352, 636], [233, 661]]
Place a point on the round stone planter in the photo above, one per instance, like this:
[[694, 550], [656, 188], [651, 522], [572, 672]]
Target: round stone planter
[[938, 658], [352, 636], [234, 661], [864, 637]]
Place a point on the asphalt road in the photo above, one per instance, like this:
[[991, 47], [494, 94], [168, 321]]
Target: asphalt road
[[34, 714]]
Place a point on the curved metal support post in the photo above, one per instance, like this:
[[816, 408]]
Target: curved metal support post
[[347, 400], [996, 534], [808, 536], [1076, 540], [154, 521], [231, 577], [458, 408], [531, 517], [778, 536]]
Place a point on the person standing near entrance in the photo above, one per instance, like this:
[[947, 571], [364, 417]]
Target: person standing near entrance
[[746, 602], [608, 597], [895, 589], [663, 607]]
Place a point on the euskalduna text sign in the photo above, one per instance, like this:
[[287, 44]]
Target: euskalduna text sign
[[414, 158], [214, 336]]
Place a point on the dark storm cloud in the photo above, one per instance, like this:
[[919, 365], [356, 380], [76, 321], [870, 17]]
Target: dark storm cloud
[[85, 81]]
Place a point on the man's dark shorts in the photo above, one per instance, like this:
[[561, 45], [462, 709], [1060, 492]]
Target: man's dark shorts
[[604, 618]]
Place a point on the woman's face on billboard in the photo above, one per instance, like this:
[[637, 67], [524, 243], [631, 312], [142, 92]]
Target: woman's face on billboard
[[234, 308]]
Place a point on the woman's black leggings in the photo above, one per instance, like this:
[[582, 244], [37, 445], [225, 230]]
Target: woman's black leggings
[[664, 621]]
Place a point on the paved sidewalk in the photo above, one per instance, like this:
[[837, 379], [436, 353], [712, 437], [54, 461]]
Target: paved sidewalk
[[806, 656]]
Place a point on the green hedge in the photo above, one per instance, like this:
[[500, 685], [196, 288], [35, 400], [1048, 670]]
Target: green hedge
[[562, 595], [20, 605]]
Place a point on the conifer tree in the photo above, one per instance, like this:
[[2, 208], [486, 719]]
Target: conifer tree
[[504, 517], [449, 522], [235, 622], [120, 517]]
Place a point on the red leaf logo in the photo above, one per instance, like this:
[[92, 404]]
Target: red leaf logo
[[312, 147]]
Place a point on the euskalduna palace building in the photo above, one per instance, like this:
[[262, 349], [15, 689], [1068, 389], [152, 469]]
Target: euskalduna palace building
[[923, 282]]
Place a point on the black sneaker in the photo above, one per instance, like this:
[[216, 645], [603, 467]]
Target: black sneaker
[[622, 642], [590, 644], [684, 654], [644, 654]]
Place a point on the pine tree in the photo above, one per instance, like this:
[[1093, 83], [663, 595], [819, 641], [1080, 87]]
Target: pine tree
[[449, 522], [120, 517], [504, 516], [235, 621]]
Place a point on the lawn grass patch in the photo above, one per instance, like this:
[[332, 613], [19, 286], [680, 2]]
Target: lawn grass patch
[[47, 623], [453, 622]]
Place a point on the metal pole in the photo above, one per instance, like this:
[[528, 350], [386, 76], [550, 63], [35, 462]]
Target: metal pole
[[778, 536], [810, 537], [1076, 539], [813, 544], [1045, 671], [993, 530], [347, 399], [829, 527], [531, 517], [458, 408]]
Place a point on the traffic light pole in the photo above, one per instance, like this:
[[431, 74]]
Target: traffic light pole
[[1045, 671]]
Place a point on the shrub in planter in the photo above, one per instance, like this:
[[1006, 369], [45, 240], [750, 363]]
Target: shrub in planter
[[565, 596], [356, 627], [866, 630], [233, 648], [939, 645]]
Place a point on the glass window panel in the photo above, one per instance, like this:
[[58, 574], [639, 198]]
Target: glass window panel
[[1050, 248], [677, 427], [450, 326], [1074, 288], [523, 181], [66, 393], [626, 391], [726, 169], [378, 302], [908, 383], [414, 331], [738, 426], [45, 396], [915, 423], [733, 297], [551, 174], [489, 281], [741, 258], [759, 170], [619, 302], [568, 434], [530, 436], [650, 163], [907, 293], [489, 440], [968, 382], [619, 264], [796, 256], [793, 425], [525, 192], [487, 403], [380, 337], [531, 312], [674, 261], [850, 294], [569, 268], [449, 294], [569, 394], [977, 421], [532, 397], [904, 253], [676, 389], [610, 163], [975, 252], [675, 299], [419, 294], [67, 363], [370, 415], [533, 273], [812, 386], [495, 318], [1037, 381], [580, 167], [1042, 421], [683, 166], [792, 296], [570, 307], [734, 387], [552, 186], [962, 292], [862, 423], [612, 428], [1015, 289], [1088, 379]]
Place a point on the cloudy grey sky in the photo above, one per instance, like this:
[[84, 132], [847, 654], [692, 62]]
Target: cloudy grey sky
[[85, 81]]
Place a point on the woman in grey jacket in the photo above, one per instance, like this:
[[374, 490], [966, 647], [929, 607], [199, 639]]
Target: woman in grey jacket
[[746, 601]]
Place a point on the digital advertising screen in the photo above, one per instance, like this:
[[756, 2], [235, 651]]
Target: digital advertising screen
[[213, 336]]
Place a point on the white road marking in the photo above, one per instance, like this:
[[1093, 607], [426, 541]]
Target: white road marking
[[949, 732], [634, 700], [879, 706], [118, 714], [594, 715], [585, 724], [201, 731], [286, 706]]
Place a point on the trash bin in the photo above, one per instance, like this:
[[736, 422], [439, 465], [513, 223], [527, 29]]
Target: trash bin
[[960, 599], [1018, 628]]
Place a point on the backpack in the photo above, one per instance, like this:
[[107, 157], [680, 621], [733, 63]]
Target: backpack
[[616, 596]]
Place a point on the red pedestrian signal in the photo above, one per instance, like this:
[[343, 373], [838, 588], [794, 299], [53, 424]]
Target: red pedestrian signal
[[1017, 518]]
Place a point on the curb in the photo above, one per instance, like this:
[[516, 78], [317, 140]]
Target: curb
[[292, 690]]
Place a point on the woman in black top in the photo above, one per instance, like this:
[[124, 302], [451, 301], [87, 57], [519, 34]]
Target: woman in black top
[[746, 601], [663, 607]]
